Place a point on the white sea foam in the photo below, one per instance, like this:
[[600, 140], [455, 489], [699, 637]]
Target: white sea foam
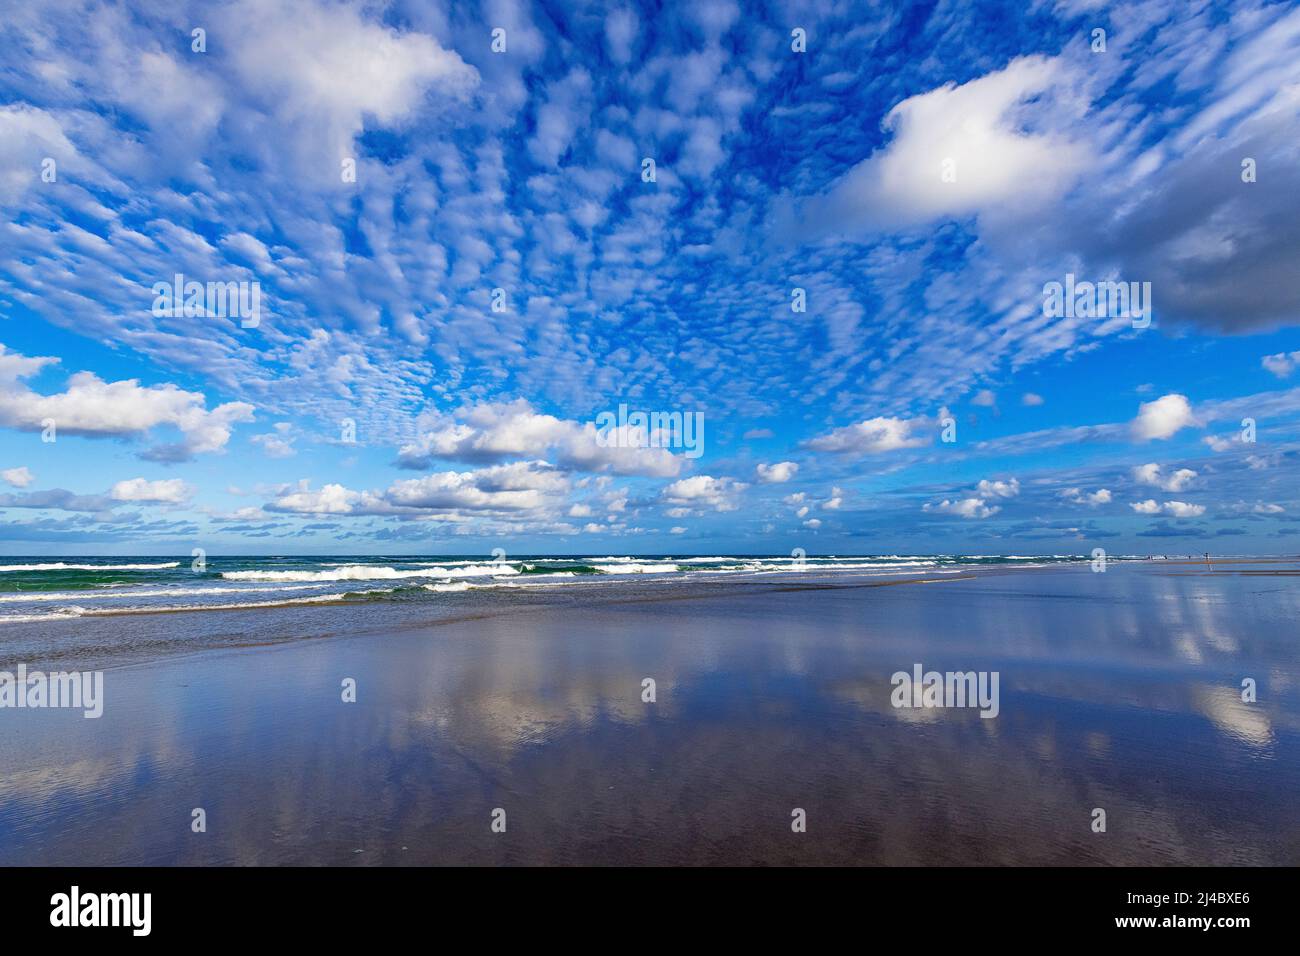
[[368, 572], [75, 611], [23, 597], [63, 613], [630, 568]]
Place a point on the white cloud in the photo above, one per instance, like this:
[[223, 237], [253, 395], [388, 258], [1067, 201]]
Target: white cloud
[[963, 507], [998, 489], [524, 487], [984, 399], [977, 505], [782, 471], [18, 477], [872, 436], [95, 408], [490, 432], [1101, 496], [561, 115], [1282, 364], [520, 484], [332, 499], [167, 491], [1031, 399], [1151, 474], [321, 69], [28, 136], [677, 530], [278, 443], [1220, 442], [717, 493], [239, 514], [621, 29], [984, 130], [1163, 417], [1177, 509]]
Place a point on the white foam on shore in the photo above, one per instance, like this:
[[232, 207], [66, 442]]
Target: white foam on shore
[[22, 597], [76, 611], [816, 568], [63, 614]]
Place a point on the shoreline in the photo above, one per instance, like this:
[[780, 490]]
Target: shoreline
[[348, 612]]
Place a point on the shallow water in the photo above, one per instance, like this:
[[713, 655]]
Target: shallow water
[[1118, 691]]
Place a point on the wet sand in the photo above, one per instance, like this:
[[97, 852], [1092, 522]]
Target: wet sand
[[1119, 691]]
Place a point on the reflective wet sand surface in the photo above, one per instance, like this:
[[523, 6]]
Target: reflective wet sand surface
[[1119, 691]]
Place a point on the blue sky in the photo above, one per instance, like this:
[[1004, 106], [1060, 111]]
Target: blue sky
[[921, 172]]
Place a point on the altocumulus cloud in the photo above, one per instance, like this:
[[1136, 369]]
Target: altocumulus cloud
[[382, 174]]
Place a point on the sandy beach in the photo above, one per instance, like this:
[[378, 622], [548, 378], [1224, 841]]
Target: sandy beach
[[1118, 691]]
